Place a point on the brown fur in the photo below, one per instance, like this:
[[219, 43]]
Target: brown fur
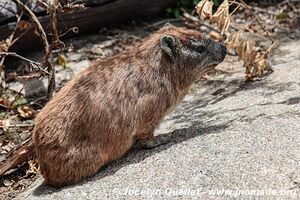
[[98, 116]]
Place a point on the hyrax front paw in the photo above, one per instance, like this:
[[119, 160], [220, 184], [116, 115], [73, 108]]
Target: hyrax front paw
[[150, 144]]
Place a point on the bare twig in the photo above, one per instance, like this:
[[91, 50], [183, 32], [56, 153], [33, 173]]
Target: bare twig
[[34, 64], [53, 15], [3, 6], [15, 98], [73, 29], [17, 125], [56, 43], [18, 56], [36, 23], [236, 8], [42, 4], [20, 36], [257, 20], [30, 76], [193, 19], [161, 22], [9, 42], [47, 48]]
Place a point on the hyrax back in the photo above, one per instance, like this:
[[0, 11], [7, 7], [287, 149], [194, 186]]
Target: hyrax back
[[102, 112]]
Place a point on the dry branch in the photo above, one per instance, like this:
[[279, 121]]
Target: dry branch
[[34, 64], [8, 42], [43, 37], [21, 153]]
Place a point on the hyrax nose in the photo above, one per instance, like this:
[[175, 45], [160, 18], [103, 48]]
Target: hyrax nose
[[220, 50], [224, 50]]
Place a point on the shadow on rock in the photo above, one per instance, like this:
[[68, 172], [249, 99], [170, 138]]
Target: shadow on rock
[[138, 155], [216, 92]]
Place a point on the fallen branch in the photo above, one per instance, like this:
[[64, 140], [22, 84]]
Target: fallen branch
[[18, 155]]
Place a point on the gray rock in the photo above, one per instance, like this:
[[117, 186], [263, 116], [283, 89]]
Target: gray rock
[[226, 135]]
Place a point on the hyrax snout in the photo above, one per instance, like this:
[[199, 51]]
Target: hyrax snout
[[116, 103]]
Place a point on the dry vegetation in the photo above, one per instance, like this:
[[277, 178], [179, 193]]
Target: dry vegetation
[[255, 58]]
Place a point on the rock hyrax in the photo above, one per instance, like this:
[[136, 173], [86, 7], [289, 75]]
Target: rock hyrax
[[113, 104]]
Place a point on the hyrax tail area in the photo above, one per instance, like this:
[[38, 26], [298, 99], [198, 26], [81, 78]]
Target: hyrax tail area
[[98, 115], [63, 166]]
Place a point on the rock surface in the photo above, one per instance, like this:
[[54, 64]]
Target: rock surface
[[227, 135]]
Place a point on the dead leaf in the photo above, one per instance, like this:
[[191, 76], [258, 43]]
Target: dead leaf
[[23, 25], [204, 8], [33, 168], [7, 183], [215, 36], [4, 124], [249, 53], [255, 61], [7, 145], [26, 112], [61, 59], [233, 40], [261, 65], [222, 17], [4, 46], [4, 102], [245, 50]]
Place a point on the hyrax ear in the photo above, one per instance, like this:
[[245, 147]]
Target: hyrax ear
[[168, 45]]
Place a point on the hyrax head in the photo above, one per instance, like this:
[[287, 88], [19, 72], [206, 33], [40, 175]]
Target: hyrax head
[[192, 51]]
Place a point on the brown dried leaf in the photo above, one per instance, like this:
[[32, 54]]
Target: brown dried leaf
[[240, 49], [217, 16], [4, 101], [249, 53], [233, 40], [199, 7], [222, 11], [222, 17], [4, 124], [8, 183], [245, 51], [26, 112], [4, 46], [260, 65], [7, 145], [224, 25], [204, 8], [23, 25], [33, 169], [215, 36], [207, 10]]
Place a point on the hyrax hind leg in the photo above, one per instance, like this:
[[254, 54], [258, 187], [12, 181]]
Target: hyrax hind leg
[[68, 165], [149, 141]]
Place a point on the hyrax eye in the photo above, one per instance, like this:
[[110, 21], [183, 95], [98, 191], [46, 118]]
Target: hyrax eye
[[200, 49]]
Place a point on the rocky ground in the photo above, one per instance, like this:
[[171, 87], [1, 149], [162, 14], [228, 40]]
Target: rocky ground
[[227, 135], [228, 139]]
